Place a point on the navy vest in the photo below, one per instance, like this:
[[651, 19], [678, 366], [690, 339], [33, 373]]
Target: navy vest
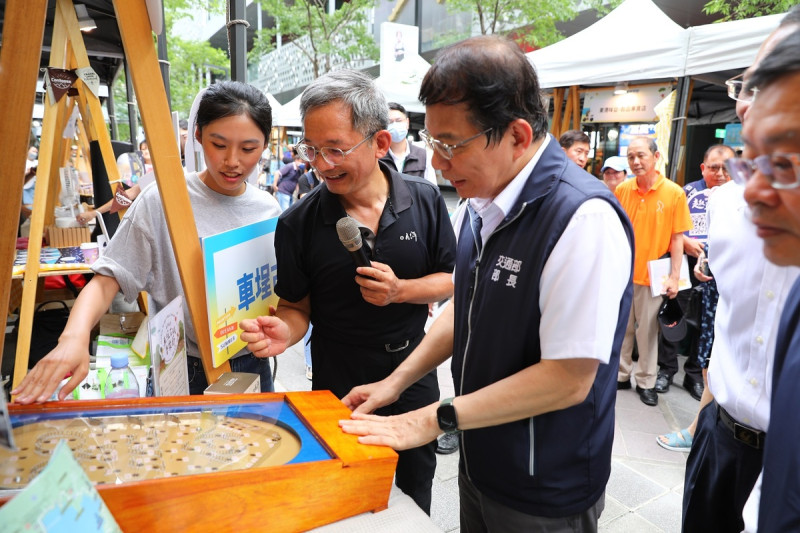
[[556, 464]]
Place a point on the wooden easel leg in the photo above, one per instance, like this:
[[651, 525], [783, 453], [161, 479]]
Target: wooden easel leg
[[53, 116], [23, 30], [134, 27]]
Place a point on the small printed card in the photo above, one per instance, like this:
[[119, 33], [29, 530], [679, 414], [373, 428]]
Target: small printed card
[[659, 270], [168, 350]]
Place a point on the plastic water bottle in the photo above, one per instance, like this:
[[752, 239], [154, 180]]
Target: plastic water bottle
[[121, 381]]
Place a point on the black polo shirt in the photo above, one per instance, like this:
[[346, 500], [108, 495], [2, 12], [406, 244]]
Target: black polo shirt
[[414, 237]]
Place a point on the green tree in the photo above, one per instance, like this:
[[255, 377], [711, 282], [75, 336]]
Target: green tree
[[344, 33], [742, 9], [190, 60], [533, 22]]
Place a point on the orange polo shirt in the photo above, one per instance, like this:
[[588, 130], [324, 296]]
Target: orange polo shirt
[[655, 215]]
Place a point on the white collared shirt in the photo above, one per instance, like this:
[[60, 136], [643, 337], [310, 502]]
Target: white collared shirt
[[752, 292], [579, 310], [400, 161]]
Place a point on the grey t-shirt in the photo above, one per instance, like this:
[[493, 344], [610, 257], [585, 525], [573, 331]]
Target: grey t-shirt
[[140, 255]]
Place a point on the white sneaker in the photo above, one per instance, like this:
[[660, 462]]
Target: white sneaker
[[309, 373]]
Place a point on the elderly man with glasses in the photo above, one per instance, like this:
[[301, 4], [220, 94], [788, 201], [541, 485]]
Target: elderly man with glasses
[[366, 319], [728, 445], [771, 169], [542, 296]]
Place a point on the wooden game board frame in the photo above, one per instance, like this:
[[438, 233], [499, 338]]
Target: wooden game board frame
[[291, 497]]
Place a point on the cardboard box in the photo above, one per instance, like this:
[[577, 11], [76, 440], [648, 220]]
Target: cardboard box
[[121, 323], [235, 383]]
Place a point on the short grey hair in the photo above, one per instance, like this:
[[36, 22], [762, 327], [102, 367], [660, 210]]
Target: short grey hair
[[368, 107]]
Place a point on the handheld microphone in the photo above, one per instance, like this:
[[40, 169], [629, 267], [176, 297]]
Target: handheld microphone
[[350, 235]]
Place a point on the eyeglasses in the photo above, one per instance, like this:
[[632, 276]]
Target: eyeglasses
[[782, 170], [333, 156], [737, 91], [715, 168], [446, 150]]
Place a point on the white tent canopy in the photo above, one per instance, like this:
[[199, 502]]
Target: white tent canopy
[[634, 41], [727, 45], [274, 104], [659, 48], [289, 114]]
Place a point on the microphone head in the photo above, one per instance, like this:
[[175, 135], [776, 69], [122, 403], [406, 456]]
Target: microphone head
[[349, 234]]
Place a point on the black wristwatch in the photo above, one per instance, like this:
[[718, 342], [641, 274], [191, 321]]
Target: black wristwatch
[[446, 416]]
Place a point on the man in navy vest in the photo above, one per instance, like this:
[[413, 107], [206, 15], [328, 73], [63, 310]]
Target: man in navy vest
[[542, 296]]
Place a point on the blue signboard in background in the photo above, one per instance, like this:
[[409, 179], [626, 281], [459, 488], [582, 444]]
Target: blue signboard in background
[[733, 136], [627, 132]]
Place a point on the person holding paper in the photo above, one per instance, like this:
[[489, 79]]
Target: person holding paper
[[233, 125], [699, 340], [659, 213]]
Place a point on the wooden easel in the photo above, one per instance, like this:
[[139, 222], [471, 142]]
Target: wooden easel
[[68, 51], [140, 52]]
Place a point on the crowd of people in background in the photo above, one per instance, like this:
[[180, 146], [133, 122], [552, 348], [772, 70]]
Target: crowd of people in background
[[540, 347]]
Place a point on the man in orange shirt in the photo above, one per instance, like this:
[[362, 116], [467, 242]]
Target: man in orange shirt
[[659, 214]]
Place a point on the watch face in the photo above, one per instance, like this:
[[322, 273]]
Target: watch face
[[446, 415]]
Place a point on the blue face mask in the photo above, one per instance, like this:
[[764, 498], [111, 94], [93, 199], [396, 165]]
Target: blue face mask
[[301, 166], [398, 130]]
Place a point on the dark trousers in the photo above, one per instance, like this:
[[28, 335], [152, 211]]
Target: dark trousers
[[339, 367], [668, 356], [720, 473], [668, 351], [479, 514]]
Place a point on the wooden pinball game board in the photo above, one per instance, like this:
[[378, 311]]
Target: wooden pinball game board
[[253, 461]]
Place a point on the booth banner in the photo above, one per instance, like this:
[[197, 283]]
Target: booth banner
[[733, 136], [637, 105], [665, 111], [628, 132], [399, 46]]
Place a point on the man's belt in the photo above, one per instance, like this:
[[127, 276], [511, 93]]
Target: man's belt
[[752, 437], [397, 346]]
